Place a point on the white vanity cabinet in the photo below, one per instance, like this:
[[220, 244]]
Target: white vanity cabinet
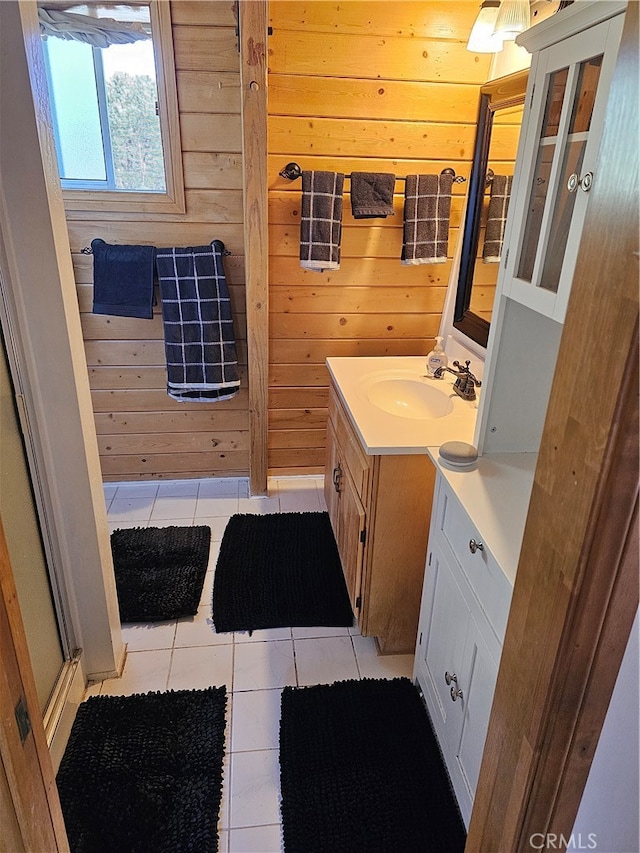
[[465, 605], [557, 159]]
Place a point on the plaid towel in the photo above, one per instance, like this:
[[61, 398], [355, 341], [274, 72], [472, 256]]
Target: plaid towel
[[496, 218], [198, 329], [321, 220], [372, 194], [427, 207]]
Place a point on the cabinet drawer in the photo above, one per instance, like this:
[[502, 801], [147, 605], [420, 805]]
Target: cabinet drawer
[[351, 453], [486, 578]]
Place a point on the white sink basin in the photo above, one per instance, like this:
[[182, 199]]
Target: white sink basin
[[395, 408], [409, 398]]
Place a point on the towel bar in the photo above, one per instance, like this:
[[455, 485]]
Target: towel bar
[[292, 172], [217, 244]]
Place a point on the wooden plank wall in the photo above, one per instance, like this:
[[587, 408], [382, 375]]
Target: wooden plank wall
[[358, 86], [142, 433]]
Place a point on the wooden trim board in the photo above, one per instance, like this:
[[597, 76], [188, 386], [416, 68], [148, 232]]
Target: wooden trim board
[[253, 83]]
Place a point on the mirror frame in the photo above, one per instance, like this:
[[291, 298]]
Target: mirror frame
[[496, 95]]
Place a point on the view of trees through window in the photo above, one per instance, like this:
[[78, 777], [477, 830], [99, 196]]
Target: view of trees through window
[[136, 145]]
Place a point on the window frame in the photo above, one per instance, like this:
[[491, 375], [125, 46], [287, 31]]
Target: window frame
[[172, 200]]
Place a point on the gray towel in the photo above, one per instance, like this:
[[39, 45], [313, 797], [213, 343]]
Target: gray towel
[[321, 220], [198, 328], [123, 280], [496, 218], [427, 208], [372, 194]]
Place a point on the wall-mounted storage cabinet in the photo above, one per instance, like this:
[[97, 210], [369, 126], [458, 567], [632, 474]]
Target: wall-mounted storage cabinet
[[574, 54], [557, 165]]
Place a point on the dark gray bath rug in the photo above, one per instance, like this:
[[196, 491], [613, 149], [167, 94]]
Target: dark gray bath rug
[[144, 772], [159, 571], [279, 571], [361, 770]]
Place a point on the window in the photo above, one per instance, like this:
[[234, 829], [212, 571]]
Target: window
[[114, 108]]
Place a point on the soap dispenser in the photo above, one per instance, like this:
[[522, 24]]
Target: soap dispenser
[[436, 358]]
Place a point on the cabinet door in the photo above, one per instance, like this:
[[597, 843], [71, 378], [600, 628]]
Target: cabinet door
[[477, 682], [557, 165], [331, 476], [442, 632], [350, 537], [347, 516]]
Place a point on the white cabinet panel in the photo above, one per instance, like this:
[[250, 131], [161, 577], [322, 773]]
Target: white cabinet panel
[[484, 575], [443, 644], [556, 166], [458, 649], [478, 679]]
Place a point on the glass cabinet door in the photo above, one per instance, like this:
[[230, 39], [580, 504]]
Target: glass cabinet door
[[558, 164]]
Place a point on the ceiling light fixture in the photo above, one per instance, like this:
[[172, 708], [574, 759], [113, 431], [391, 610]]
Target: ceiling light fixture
[[514, 18], [482, 38]]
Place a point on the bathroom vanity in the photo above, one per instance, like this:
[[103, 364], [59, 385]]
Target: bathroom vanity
[[383, 415]]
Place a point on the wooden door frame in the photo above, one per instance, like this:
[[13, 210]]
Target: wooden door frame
[[252, 22], [29, 804], [576, 591]]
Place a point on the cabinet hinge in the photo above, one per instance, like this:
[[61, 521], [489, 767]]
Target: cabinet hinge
[[363, 535], [358, 602], [22, 719], [420, 640], [429, 563], [506, 258], [533, 88]]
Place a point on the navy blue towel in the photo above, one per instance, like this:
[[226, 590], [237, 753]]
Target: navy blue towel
[[123, 280], [199, 342]]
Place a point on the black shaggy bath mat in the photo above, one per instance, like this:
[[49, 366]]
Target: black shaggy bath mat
[[144, 772], [360, 770], [279, 571], [159, 571]]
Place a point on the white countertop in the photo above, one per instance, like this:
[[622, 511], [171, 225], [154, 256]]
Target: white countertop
[[382, 433], [495, 494]]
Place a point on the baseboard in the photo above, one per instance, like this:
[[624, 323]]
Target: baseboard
[[62, 708]]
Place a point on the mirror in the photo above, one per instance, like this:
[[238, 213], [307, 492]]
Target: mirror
[[498, 130]]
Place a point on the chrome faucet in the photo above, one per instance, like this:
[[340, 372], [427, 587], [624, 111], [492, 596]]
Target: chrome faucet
[[465, 384]]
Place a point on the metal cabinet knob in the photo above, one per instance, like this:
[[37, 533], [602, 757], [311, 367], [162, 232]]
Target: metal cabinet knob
[[586, 182], [456, 693], [450, 676], [475, 546]]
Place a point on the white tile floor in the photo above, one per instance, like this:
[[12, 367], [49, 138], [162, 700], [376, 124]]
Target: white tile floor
[[188, 654]]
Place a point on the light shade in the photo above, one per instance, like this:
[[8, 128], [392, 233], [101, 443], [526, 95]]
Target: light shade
[[482, 38], [514, 18]]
